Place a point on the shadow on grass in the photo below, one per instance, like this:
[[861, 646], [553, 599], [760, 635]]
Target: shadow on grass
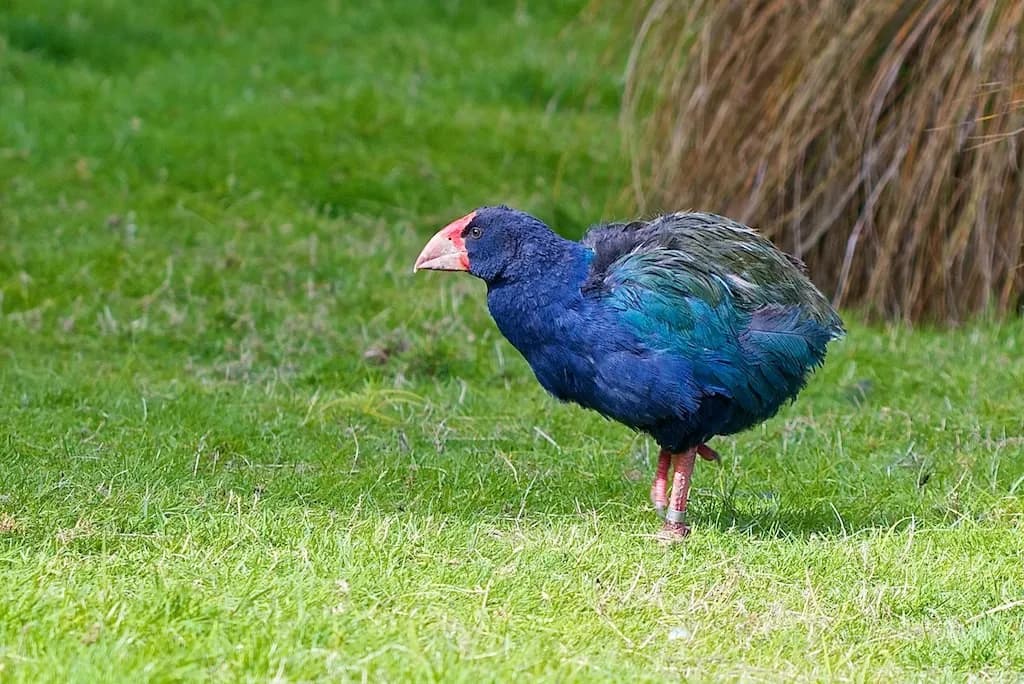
[[615, 499]]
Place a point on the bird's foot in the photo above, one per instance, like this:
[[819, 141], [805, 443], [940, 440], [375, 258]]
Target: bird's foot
[[708, 454], [672, 532]]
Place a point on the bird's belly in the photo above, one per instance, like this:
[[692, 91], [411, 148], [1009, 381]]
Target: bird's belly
[[662, 395], [634, 388]]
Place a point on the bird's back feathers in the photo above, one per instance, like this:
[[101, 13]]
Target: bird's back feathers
[[718, 255]]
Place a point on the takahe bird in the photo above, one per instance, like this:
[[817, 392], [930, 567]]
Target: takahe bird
[[685, 327]]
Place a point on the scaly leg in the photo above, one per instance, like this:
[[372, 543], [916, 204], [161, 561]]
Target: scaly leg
[[659, 494], [675, 527]]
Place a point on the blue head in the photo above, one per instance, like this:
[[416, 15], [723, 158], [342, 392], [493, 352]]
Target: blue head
[[494, 244]]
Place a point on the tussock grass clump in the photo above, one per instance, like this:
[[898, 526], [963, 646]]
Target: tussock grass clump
[[882, 142]]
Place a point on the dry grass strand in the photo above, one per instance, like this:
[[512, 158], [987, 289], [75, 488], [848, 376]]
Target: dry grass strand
[[881, 142]]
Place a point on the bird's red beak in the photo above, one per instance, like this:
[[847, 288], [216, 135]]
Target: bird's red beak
[[446, 251]]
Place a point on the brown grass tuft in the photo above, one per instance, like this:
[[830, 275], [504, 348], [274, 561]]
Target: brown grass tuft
[[882, 142], [9, 524]]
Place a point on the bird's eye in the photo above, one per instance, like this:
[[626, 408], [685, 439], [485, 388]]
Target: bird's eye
[[475, 232]]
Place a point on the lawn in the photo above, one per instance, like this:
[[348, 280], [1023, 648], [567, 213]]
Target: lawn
[[242, 441]]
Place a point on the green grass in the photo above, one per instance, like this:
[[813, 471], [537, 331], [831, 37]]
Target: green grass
[[241, 441]]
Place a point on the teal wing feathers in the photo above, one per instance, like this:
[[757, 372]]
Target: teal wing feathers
[[717, 298]]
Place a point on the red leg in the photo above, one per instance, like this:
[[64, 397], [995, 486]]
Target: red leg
[[675, 520], [659, 495]]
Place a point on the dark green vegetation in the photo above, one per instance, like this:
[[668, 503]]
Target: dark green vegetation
[[241, 441]]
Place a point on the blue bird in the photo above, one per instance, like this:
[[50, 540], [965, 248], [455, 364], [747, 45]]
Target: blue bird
[[685, 327]]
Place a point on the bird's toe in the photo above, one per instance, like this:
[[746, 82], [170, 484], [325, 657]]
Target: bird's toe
[[672, 532], [708, 454]]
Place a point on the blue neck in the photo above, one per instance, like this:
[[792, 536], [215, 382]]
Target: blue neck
[[529, 303]]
